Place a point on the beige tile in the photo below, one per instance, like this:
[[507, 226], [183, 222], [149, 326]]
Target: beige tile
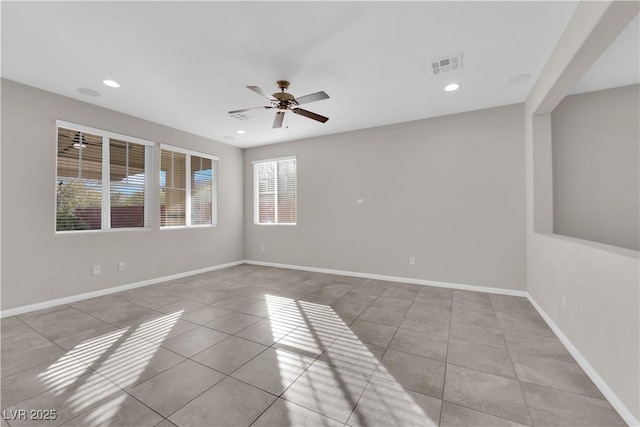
[[348, 309], [19, 361], [481, 357], [348, 352], [229, 354], [123, 311], [204, 315], [372, 333], [48, 377], [384, 404], [415, 373], [474, 317], [385, 316], [183, 306], [129, 366], [174, 388], [13, 326], [273, 370], [539, 346], [420, 344], [228, 403], [524, 324], [194, 341], [61, 322], [69, 400], [283, 413], [306, 341], [157, 302], [430, 312], [95, 334], [478, 335], [492, 394], [567, 376], [267, 331], [357, 298], [22, 341], [120, 410], [257, 308], [398, 304], [421, 323], [233, 322], [459, 416], [235, 302], [330, 391], [165, 423], [549, 407]]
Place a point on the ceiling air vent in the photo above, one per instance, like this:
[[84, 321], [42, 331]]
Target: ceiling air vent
[[444, 65], [239, 116]]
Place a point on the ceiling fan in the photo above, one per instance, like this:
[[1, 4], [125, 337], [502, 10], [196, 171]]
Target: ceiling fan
[[284, 101]]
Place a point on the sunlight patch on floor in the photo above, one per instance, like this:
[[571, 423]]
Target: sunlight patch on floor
[[335, 388], [84, 376]]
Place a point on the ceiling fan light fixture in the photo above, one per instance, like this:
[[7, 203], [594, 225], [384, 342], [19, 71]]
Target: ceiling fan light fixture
[[284, 101], [451, 87]]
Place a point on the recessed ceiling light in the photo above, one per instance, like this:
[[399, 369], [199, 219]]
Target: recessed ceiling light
[[111, 83], [451, 87], [241, 132], [88, 92]]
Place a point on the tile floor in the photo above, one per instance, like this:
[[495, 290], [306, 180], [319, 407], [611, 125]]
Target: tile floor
[[261, 346]]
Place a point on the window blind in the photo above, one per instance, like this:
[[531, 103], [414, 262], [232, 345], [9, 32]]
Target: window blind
[[276, 191], [78, 181], [173, 198], [130, 167], [202, 185]]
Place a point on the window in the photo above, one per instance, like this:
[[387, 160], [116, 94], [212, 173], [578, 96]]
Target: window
[[102, 180], [130, 167], [275, 191], [187, 188]]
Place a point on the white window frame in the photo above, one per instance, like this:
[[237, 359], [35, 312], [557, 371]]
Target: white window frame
[[256, 203], [214, 187], [106, 183]]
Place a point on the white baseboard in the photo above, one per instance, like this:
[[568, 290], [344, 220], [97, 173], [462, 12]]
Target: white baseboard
[[74, 298], [608, 393], [475, 288]]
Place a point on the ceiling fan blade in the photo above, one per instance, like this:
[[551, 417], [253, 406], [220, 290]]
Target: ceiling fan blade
[[312, 97], [247, 109], [277, 122], [311, 115], [260, 91]]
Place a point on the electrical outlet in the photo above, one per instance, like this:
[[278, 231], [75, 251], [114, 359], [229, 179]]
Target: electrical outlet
[[563, 301], [121, 266], [359, 201], [263, 248], [412, 260], [96, 270]]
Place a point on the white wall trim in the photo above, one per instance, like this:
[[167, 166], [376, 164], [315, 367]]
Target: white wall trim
[[608, 393], [449, 285], [74, 298]]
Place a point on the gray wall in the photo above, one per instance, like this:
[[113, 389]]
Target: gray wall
[[448, 190], [39, 265], [596, 166]]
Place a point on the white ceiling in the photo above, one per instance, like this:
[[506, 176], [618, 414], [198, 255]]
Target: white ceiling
[[185, 64]]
